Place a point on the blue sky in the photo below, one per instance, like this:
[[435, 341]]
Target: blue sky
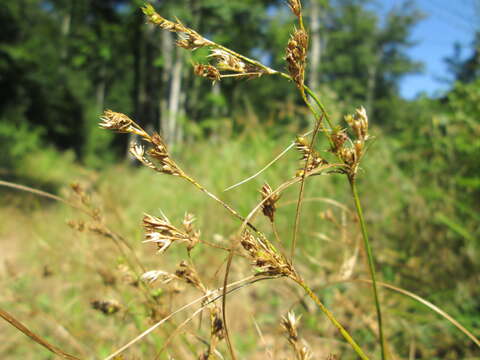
[[446, 22]]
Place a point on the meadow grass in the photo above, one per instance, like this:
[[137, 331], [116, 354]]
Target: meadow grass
[[51, 273]]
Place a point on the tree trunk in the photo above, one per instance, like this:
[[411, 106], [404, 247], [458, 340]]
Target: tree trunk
[[174, 99], [167, 51], [316, 45]]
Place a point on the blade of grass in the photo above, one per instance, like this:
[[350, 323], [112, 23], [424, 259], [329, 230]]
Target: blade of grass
[[278, 157]]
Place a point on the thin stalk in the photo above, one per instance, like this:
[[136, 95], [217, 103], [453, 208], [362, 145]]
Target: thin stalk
[[333, 320], [371, 264], [302, 186], [229, 209]]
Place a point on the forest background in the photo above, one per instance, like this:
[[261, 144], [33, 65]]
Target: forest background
[[62, 62]]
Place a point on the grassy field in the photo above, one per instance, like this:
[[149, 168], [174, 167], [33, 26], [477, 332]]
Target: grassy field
[[54, 277]]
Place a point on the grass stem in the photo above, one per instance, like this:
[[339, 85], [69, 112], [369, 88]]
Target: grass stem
[[371, 264], [332, 319]]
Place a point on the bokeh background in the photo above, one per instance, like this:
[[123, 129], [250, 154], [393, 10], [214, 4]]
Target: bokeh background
[[414, 65]]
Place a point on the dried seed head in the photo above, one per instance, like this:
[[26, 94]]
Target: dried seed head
[[207, 71], [161, 232], [138, 152], [264, 258], [312, 158], [159, 153], [121, 123], [153, 275], [193, 234], [339, 137], [296, 56], [295, 6], [108, 307], [77, 225], [189, 38], [227, 62], [348, 156], [156, 19], [290, 325], [359, 123], [269, 207], [116, 121], [305, 353], [189, 275], [218, 330], [191, 42], [358, 145]]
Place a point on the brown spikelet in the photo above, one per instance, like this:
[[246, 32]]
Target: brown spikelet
[[191, 42], [108, 307], [190, 276], [162, 232], [193, 234], [268, 261], [160, 153], [227, 62], [296, 56], [189, 39], [116, 121], [153, 275], [352, 155], [290, 324], [207, 71], [358, 122], [269, 207], [295, 6], [156, 157], [339, 137], [309, 155]]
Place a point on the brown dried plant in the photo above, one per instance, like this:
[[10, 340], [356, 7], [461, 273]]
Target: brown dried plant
[[290, 324]]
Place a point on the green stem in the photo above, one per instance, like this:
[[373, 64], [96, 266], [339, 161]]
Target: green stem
[[371, 264], [333, 320]]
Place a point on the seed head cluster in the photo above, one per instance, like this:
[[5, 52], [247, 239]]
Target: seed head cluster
[[290, 324], [269, 205], [296, 56], [296, 7], [161, 232], [350, 151], [311, 157], [268, 261], [189, 39], [207, 71]]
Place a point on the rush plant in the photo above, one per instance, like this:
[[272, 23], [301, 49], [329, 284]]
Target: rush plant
[[347, 147]]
